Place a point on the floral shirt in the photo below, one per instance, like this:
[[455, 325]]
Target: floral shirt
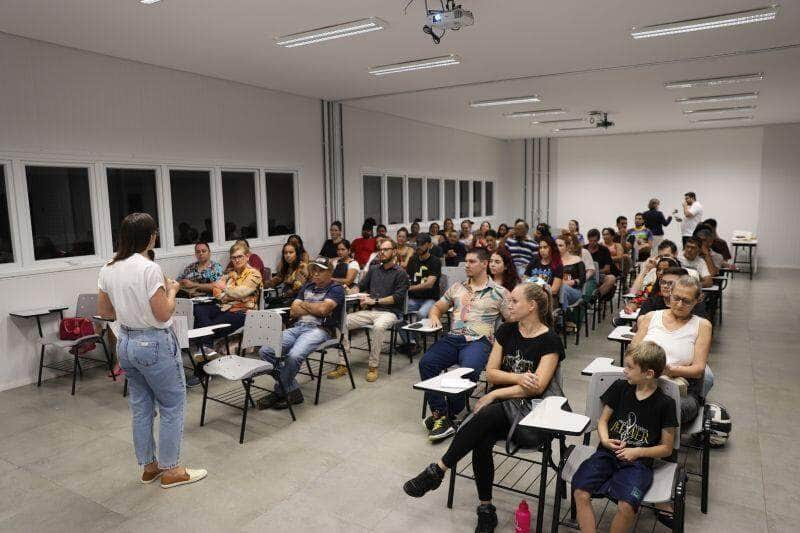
[[241, 290], [210, 274], [475, 311]]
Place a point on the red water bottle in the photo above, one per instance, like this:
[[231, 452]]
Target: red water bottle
[[522, 518]]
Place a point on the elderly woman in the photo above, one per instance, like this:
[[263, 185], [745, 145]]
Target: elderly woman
[[198, 278], [686, 339]]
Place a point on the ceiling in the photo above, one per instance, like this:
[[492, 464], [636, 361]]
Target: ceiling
[[576, 54]]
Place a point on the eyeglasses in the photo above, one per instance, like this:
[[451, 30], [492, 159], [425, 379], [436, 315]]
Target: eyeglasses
[[386, 250], [683, 301], [237, 257], [666, 284]]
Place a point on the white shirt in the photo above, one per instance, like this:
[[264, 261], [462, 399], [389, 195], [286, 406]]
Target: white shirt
[[588, 262], [678, 344], [351, 264], [688, 224], [698, 264], [130, 284]]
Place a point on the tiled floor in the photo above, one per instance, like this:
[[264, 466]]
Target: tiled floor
[[66, 463]]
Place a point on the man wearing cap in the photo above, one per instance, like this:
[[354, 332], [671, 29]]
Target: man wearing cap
[[317, 312], [424, 271]]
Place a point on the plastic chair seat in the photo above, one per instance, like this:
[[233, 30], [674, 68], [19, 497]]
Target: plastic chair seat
[[235, 368]]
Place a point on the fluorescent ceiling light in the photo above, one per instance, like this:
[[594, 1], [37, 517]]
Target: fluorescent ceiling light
[[506, 101], [535, 113], [149, 2], [559, 121], [713, 82], [718, 98], [419, 64], [726, 119], [715, 110], [576, 129], [328, 33], [707, 23]]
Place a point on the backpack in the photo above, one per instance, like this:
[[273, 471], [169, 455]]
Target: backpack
[[721, 424]]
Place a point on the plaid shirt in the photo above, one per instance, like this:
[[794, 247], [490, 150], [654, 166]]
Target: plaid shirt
[[475, 311]]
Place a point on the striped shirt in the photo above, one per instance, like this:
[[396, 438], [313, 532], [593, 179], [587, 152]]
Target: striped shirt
[[475, 310], [522, 252]]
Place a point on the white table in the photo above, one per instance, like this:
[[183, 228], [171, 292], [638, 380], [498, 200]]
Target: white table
[[630, 317], [600, 364], [38, 313], [751, 245], [207, 331], [356, 296], [623, 335], [425, 329], [434, 384]]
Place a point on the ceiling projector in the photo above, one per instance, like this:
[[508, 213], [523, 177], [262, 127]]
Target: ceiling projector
[[599, 119], [453, 17]]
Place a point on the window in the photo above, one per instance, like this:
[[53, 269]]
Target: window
[[489, 198], [61, 214], [477, 196], [280, 203], [394, 198], [450, 198], [373, 199], [433, 199], [239, 204], [414, 199], [463, 199], [6, 250], [130, 190], [191, 206]]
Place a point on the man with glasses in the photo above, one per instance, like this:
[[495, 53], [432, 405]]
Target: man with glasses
[[317, 312], [386, 285], [424, 270]]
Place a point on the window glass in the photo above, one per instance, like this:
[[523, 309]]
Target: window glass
[[6, 249], [463, 199], [394, 199], [191, 206], [130, 190], [239, 204], [373, 200], [433, 199], [489, 198], [280, 203], [449, 198], [414, 199], [477, 197]]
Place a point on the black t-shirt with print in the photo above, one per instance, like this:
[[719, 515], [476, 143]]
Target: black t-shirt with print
[[546, 272], [522, 354], [638, 423], [419, 269]]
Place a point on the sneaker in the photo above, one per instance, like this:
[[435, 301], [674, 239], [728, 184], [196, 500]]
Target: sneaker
[[487, 518], [192, 381], [430, 421], [294, 397], [269, 401], [443, 427], [338, 372], [428, 479], [372, 374], [189, 476]]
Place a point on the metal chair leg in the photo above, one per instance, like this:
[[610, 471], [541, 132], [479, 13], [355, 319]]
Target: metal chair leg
[[246, 405], [205, 398], [452, 488], [319, 378], [41, 366], [308, 365], [75, 368]]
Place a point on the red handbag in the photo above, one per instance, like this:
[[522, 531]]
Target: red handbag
[[74, 328]]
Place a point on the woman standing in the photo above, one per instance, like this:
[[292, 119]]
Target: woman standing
[[134, 291], [654, 221], [502, 269], [329, 248]]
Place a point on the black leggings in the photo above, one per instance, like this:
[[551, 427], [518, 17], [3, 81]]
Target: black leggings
[[478, 435]]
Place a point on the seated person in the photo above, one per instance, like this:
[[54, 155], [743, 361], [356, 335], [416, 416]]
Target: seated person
[[718, 245], [433, 231], [575, 228], [643, 238], [686, 339], [647, 274], [302, 253], [502, 233], [374, 258], [636, 426], [490, 241], [573, 271], [522, 366], [626, 242], [466, 237], [329, 247], [253, 260], [502, 269], [345, 268], [292, 272], [692, 257], [659, 298], [404, 250], [614, 248], [480, 235], [363, 246], [652, 290], [414, 233], [453, 250], [386, 284], [236, 293], [546, 268], [198, 278], [706, 238], [522, 249], [317, 313], [477, 304], [602, 256], [424, 271], [381, 232]]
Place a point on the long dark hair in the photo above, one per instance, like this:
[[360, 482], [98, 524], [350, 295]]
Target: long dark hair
[[286, 268], [555, 254], [510, 275], [300, 248], [134, 235]]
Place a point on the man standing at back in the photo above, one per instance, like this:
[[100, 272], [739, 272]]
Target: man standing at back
[[522, 249], [692, 215]]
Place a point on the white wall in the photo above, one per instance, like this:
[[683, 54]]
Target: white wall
[[60, 103], [379, 142]]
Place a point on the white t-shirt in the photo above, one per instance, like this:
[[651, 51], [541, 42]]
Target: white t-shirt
[[689, 224], [130, 284], [588, 262], [698, 264]]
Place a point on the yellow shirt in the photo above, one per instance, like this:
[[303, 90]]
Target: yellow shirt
[[241, 290]]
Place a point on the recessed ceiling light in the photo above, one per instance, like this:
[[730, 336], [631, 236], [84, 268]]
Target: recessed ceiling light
[[713, 82], [576, 129], [535, 113], [718, 98], [506, 101], [419, 64], [707, 23], [328, 33], [149, 2], [715, 110], [559, 121], [726, 119]]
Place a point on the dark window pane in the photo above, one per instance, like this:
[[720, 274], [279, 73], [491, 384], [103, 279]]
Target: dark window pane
[[433, 199], [191, 206], [414, 199], [239, 202], [394, 199], [280, 203], [130, 190], [61, 214], [6, 250], [463, 199], [477, 204], [489, 198], [373, 200], [450, 199]]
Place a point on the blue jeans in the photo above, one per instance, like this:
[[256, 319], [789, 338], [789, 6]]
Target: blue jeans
[[446, 352], [298, 341], [568, 295], [421, 308], [151, 359]]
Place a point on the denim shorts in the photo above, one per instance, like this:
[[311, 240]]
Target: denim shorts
[[603, 473]]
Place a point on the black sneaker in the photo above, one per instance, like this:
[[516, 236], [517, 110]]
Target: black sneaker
[[443, 427], [428, 479], [294, 397], [487, 518], [428, 422], [269, 401], [192, 381]]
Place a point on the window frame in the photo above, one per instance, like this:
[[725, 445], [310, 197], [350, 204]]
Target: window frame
[[215, 192], [13, 226], [260, 209]]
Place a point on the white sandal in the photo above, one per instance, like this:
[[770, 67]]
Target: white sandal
[[192, 475]]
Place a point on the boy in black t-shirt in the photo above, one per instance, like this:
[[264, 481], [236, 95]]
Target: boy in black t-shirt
[[637, 425]]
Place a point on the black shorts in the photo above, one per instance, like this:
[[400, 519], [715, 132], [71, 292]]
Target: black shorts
[[603, 473]]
